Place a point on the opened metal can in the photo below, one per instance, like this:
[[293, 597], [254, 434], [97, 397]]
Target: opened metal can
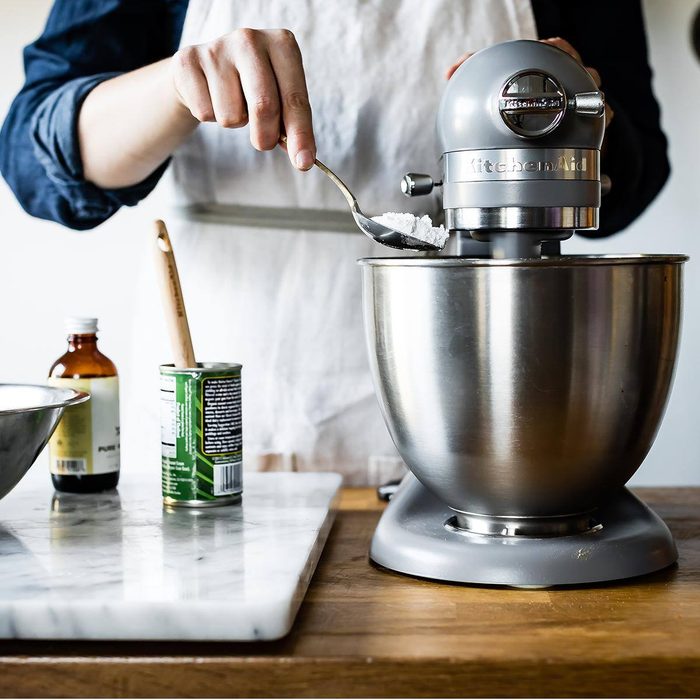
[[201, 435]]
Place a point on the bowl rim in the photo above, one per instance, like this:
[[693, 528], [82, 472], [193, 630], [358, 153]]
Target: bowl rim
[[76, 397], [563, 261]]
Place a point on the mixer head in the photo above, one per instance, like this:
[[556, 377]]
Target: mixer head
[[520, 128]]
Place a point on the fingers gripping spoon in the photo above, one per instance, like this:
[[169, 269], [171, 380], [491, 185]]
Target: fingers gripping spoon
[[376, 231]]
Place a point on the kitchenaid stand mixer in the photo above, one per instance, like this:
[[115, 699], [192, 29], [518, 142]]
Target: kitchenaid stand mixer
[[522, 388]]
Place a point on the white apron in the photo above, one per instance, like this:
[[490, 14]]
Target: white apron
[[284, 299]]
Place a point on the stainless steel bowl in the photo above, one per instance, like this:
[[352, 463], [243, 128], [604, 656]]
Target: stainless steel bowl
[[523, 388], [28, 416]]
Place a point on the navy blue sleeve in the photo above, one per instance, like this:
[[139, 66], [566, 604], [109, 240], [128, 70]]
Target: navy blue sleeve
[[84, 42], [611, 37]]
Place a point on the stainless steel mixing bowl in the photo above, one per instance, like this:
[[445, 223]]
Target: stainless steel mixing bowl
[[28, 416], [523, 388]]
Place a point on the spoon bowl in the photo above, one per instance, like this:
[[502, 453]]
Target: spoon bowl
[[389, 236], [376, 231]]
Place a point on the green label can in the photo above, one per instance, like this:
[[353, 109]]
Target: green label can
[[201, 434]]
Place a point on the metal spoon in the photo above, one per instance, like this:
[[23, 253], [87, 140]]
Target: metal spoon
[[376, 231]]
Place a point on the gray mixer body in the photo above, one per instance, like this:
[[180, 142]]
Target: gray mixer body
[[420, 538], [528, 158], [520, 127], [522, 391]]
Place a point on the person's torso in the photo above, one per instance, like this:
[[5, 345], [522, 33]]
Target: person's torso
[[283, 298]]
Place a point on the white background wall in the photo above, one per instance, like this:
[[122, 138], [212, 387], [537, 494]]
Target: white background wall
[[47, 272]]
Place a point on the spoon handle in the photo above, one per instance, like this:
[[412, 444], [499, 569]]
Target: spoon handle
[[339, 184], [336, 180]]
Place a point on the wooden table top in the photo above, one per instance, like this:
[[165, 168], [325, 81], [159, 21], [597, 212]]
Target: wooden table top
[[366, 632]]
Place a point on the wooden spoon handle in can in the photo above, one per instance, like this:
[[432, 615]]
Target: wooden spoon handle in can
[[173, 301]]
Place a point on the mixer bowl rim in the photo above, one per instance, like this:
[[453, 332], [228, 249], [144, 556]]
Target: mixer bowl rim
[[559, 261], [73, 398]]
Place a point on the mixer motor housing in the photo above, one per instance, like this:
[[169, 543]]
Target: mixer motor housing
[[520, 127]]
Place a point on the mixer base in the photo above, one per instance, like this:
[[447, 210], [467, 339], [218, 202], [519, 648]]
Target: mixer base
[[411, 538]]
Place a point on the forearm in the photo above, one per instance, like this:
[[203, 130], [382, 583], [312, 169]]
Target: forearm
[[130, 124]]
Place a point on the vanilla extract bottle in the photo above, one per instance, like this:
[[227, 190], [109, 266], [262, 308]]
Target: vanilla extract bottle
[[84, 449]]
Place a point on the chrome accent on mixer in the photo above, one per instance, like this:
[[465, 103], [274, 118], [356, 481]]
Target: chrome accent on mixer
[[485, 190], [477, 524], [532, 103], [518, 218], [590, 104], [417, 184], [531, 193], [478, 165], [563, 261]]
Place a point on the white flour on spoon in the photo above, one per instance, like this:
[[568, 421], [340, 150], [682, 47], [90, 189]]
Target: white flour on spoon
[[419, 227]]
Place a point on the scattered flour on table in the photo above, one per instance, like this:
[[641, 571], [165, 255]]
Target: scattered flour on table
[[419, 227]]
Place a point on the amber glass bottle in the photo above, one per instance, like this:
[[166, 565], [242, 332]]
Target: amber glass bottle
[[84, 450]]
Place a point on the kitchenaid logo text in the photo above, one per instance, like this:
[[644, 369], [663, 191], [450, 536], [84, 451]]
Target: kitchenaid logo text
[[513, 165], [550, 103]]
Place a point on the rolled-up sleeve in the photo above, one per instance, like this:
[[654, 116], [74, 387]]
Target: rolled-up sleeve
[[84, 43], [55, 146]]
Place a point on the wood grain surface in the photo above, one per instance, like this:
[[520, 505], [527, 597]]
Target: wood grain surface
[[366, 632]]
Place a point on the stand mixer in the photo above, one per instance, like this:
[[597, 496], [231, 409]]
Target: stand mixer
[[522, 388]]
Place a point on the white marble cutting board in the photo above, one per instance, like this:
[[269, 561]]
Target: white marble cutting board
[[119, 566]]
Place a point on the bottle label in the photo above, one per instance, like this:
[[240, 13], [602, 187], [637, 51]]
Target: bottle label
[[86, 440]]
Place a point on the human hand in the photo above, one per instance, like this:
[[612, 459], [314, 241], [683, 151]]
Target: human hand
[[560, 44], [250, 75]]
